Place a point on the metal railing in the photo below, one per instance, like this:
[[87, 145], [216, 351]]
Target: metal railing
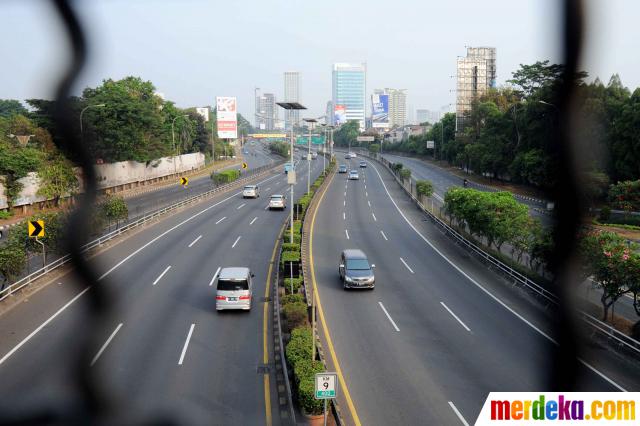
[[27, 280], [599, 326]]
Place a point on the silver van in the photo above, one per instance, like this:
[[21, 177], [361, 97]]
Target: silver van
[[234, 289], [355, 271]]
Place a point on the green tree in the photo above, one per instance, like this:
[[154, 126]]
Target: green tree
[[57, 178], [347, 134], [11, 107]]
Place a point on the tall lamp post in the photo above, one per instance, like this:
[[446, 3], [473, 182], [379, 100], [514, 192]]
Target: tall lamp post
[[291, 179], [86, 108], [310, 121]]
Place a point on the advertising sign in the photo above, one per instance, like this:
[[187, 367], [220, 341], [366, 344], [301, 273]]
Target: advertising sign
[[430, 144], [226, 111], [380, 111], [340, 114]]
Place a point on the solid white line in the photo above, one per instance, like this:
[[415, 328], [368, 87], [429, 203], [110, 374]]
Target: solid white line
[[161, 275], [344, 217], [268, 189], [237, 239], [241, 206], [266, 207], [214, 276], [254, 219], [95, 358], [487, 292], [456, 317], [455, 410], [369, 202], [195, 241], [374, 217], [221, 220], [186, 344], [384, 236], [347, 233], [405, 264], [389, 316]]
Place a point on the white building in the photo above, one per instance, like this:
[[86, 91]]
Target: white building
[[349, 92], [291, 94]]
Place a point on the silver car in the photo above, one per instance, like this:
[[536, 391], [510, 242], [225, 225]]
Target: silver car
[[234, 289], [251, 191], [353, 175], [277, 201], [355, 271]]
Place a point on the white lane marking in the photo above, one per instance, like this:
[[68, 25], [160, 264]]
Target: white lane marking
[[344, 202], [456, 317], [405, 264], [236, 242], [344, 216], [195, 241], [241, 206], [487, 292], [214, 276], [268, 189], [369, 202], [116, 266], [254, 219], [384, 236], [389, 316], [374, 217], [221, 220], [266, 207], [161, 275], [186, 344], [345, 193], [95, 358], [365, 186], [366, 193], [455, 410], [346, 233], [439, 198]]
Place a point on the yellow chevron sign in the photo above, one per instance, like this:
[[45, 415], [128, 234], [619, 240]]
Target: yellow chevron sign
[[36, 228], [184, 181]]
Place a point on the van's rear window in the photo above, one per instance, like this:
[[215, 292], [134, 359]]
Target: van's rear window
[[227, 285]]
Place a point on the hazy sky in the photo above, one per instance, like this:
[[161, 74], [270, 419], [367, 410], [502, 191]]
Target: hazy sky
[[195, 50]]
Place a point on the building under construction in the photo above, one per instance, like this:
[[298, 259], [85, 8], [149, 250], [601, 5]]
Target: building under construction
[[476, 73]]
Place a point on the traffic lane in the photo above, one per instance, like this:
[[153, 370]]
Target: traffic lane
[[626, 374]]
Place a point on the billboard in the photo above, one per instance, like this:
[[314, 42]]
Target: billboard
[[380, 111], [226, 112], [340, 115]]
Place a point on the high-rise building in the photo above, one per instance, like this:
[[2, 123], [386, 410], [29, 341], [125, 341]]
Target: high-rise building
[[267, 112], [476, 73], [291, 94], [425, 115], [349, 93], [397, 106]]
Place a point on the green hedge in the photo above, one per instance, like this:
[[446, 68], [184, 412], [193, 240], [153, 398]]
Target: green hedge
[[225, 176], [292, 298], [297, 283], [299, 345], [295, 313], [305, 373], [286, 238], [289, 256], [290, 247], [405, 174], [424, 187]]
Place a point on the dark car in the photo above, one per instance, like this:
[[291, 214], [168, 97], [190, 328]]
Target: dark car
[[355, 270], [363, 164]]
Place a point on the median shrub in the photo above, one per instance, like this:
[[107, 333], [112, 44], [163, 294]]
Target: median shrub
[[289, 256], [291, 247], [405, 174], [299, 346], [305, 372], [225, 176], [292, 298], [424, 188], [295, 313], [297, 283]]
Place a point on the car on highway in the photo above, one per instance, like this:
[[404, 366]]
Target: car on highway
[[353, 154], [251, 191], [363, 164], [277, 201], [314, 155], [347, 156], [342, 168], [287, 167], [355, 270], [234, 289], [353, 175]]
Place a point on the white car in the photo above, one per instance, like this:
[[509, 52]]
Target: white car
[[234, 289], [353, 155], [251, 191], [277, 201], [353, 175]]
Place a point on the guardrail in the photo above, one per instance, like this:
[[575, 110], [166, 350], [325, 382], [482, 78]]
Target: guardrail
[[23, 282], [599, 326]]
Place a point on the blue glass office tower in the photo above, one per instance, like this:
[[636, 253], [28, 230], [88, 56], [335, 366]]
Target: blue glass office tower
[[349, 89]]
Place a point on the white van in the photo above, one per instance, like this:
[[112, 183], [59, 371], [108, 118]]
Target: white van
[[234, 289]]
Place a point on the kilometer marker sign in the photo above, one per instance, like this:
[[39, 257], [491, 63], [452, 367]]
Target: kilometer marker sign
[[326, 385]]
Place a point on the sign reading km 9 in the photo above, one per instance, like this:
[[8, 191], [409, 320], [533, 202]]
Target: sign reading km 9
[[326, 385]]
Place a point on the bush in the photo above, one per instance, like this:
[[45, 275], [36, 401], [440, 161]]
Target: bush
[[405, 174], [424, 188], [290, 247], [286, 238], [292, 298], [290, 256], [295, 313], [297, 283], [305, 372], [114, 209], [299, 346], [625, 195], [605, 214], [5, 214], [225, 176]]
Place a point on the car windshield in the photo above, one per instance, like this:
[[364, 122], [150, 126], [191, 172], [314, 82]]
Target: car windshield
[[276, 197], [249, 188], [233, 285], [358, 265]]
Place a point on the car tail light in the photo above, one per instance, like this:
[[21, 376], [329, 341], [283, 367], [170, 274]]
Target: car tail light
[[220, 298], [247, 297]]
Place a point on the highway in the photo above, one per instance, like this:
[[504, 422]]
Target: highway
[[440, 330], [442, 180], [164, 352]]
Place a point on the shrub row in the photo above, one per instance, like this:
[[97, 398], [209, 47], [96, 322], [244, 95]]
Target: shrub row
[[299, 356], [225, 176]]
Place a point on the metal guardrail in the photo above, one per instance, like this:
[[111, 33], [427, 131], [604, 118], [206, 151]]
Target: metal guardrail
[[604, 328], [18, 285]]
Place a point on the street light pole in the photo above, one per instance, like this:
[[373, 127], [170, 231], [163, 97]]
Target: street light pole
[[86, 108], [310, 122]]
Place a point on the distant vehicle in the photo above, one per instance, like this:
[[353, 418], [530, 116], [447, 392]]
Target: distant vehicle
[[277, 201], [355, 271], [296, 149], [234, 289], [246, 151], [314, 155], [287, 167], [353, 154], [347, 155], [251, 191], [342, 168], [363, 164], [353, 175]]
